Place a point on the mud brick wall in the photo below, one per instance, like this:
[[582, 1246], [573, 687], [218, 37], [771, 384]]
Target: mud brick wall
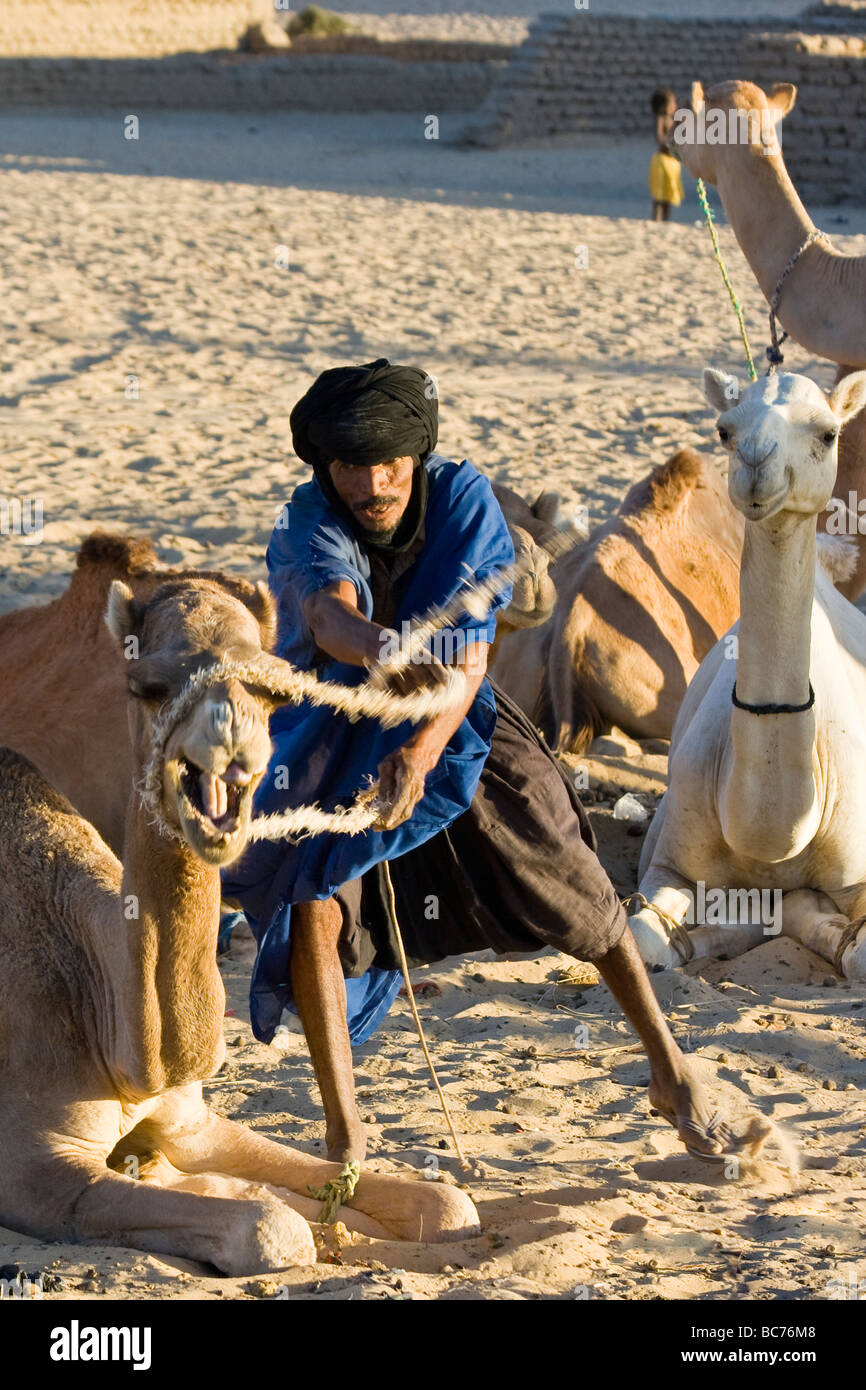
[[585, 73], [308, 82]]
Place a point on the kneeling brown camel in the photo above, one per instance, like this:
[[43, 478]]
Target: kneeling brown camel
[[111, 1004], [639, 604]]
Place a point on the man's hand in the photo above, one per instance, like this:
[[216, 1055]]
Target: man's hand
[[418, 675], [401, 786]]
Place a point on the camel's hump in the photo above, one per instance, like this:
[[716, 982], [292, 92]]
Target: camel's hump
[[121, 554]]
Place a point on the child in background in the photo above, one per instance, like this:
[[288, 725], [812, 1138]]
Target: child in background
[[665, 179]]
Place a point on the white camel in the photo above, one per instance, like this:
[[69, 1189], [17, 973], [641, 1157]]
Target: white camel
[[767, 785]]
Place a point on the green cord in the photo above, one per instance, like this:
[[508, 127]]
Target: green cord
[[738, 310], [335, 1192]]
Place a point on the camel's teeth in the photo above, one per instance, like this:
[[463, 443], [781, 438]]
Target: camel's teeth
[[214, 796]]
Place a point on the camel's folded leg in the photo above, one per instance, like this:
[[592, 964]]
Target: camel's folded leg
[[662, 938], [160, 1171], [814, 920], [80, 1199], [197, 1140]]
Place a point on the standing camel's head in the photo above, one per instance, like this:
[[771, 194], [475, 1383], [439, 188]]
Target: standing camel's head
[[215, 757], [731, 117], [782, 434]]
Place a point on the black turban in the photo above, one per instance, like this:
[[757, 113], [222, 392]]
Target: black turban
[[365, 415]]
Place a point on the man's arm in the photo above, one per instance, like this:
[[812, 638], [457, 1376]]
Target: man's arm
[[403, 772], [341, 631]]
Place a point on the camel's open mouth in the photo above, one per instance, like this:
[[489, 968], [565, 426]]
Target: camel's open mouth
[[213, 803]]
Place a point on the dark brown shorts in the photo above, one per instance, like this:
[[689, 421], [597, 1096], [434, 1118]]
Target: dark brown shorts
[[518, 870]]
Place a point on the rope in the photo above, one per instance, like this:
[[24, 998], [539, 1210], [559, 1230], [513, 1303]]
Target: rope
[[336, 1192], [404, 965], [474, 599], [677, 933], [369, 700], [774, 352], [280, 678], [738, 309]]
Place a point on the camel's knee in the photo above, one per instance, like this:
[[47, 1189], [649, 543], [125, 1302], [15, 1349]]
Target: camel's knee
[[424, 1211], [239, 1227]]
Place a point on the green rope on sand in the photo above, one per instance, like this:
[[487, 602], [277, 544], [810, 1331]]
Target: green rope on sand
[[738, 310], [335, 1192]]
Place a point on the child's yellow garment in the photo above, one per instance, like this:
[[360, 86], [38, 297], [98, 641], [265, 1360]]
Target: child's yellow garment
[[665, 179]]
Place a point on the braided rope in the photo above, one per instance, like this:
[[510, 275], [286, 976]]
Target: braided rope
[[336, 1191], [369, 701], [473, 598], [280, 678]]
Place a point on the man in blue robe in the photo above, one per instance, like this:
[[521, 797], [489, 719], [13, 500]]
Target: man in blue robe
[[487, 842]]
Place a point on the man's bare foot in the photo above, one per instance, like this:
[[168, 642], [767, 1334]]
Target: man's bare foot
[[683, 1102], [348, 1144]]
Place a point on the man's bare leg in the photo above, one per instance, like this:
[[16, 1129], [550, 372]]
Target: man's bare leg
[[674, 1090], [320, 995]]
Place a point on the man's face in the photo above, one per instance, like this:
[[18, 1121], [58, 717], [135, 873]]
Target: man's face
[[378, 496]]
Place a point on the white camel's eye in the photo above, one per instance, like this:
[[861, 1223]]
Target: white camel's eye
[[724, 435], [829, 436]]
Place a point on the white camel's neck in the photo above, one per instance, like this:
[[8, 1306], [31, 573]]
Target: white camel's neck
[[768, 800], [170, 993], [820, 302], [777, 582]]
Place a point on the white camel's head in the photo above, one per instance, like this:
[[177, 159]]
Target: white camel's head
[[782, 434], [216, 755], [729, 116]]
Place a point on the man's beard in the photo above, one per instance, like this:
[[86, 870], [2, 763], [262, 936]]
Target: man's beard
[[380, 535]]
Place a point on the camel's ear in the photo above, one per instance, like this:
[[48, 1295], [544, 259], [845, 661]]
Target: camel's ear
[[781, 97], [124, 613], [722, 391], [697, 97], [262, 606], [848, 396]]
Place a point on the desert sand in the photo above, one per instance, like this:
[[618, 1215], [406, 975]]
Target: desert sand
[[157, 337]]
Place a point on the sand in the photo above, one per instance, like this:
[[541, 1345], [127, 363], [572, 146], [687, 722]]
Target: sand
[[156, 261]]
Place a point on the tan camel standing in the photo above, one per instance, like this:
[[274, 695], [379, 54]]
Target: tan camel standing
[[111, 1003], [822, 303], [767, 789], [639, 604]]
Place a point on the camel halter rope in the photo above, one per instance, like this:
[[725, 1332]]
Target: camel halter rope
[[369, 701], [774, 351]]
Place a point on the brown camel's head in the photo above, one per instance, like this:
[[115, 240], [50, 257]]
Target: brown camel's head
[[730, 119], [218, 751]]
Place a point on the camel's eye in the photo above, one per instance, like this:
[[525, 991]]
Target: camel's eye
[[148, 690], [724, 435], [828, 436]]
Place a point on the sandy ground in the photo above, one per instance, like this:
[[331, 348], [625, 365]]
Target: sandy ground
[[156, 261]]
